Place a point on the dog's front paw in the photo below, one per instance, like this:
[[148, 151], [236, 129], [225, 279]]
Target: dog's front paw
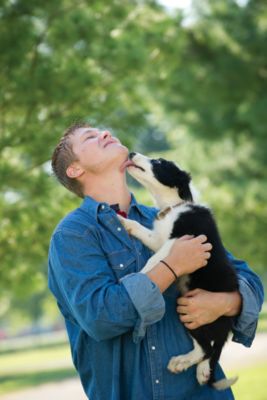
[[179, 364], [123, 221], [203, 372], [129, 225]]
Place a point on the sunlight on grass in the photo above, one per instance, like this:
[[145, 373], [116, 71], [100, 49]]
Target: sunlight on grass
[[31, 367], [23, 369], [15, 382], [35, 359], [250, 385]]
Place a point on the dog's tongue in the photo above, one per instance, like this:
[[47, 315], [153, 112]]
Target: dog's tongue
[[126, 164]]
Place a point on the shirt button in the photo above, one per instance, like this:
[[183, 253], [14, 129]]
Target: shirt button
[[157, 381], [153, 347], [119, 229], [121, 265]]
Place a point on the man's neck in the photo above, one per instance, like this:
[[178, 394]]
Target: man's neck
[[110, 189]]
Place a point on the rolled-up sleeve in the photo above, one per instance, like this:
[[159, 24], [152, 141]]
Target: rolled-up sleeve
[[147, 299], [89, 293], [252, 293]]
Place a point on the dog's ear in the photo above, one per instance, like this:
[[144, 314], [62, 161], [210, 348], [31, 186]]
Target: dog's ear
[[184, 188], [185, 193]]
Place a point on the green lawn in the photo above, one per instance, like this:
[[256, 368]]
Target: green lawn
[[19, 381], [251, 383], [31, 367]]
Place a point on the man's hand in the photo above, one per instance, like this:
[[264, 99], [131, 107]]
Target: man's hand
[[188, 254], [199, 307]]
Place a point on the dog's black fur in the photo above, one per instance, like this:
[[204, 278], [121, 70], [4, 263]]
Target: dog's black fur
[[218, 275]]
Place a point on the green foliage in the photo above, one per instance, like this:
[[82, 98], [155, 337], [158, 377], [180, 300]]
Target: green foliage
[[211, 79], [60, 62], [199, 89]]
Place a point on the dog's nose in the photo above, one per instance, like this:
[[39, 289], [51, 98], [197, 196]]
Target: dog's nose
[[131, 155]]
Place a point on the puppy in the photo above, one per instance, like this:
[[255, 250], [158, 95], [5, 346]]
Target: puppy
[[178, 216]]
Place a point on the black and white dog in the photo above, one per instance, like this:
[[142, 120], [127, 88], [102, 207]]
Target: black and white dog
[[178, 216]]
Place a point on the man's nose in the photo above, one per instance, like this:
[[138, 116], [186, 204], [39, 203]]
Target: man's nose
[[105, 134]]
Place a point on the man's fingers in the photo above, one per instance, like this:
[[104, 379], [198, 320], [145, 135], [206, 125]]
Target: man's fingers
[[201, 238], [186, 237], [192, 293], [191, 325], [186, 319], [181, 301], [181, 309], [207, 246]]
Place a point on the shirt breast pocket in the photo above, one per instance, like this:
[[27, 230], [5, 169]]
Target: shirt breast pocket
[[122, 262]]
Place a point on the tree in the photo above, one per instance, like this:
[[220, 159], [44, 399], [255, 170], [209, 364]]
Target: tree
[[131, 66], [211, 80], [60, 61]]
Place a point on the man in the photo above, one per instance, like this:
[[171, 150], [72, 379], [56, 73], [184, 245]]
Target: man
[[123, 325]]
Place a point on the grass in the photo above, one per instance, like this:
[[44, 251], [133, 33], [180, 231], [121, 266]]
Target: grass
[[29, 367], [19, 381], [34, 358], [32, 367], [251, 383]]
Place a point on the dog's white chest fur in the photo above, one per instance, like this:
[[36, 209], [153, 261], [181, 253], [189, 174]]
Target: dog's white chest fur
[[163, 225], [159, 238]]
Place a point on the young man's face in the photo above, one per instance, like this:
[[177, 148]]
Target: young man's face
[[97, 150]]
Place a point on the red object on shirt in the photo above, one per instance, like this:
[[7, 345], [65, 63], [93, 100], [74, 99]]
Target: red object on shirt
[[116, 208], [122, 213]]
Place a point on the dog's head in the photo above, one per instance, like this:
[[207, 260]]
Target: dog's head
[[163, 178]]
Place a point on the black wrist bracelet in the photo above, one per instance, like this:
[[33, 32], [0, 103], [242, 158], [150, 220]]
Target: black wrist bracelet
[[167, 265]]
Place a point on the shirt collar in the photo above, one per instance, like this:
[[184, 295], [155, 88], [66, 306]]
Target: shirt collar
[[135, 205], [94, 207]]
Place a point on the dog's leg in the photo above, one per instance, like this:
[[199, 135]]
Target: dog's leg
[[159, 255], [205, 342], [147, 236], [183, 362], [203, 371], [224, 383]]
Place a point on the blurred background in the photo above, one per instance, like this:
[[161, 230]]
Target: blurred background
[[186, 80]]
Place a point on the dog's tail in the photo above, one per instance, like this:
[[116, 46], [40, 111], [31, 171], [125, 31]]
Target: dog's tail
[[225, 383]]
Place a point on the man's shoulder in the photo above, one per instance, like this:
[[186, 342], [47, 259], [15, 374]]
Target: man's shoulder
[[76, 221]]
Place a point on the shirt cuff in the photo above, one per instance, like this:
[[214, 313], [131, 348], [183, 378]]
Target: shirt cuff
[[245, 324], [147, 299]]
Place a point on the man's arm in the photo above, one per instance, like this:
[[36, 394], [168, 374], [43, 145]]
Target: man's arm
[[186, 255], [88, 291], [85, 285], [252, 292], [200, 307]]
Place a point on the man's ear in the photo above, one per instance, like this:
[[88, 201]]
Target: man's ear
[[74, 171]]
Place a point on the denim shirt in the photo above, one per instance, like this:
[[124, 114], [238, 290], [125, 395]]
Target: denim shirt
[[122, 330]]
